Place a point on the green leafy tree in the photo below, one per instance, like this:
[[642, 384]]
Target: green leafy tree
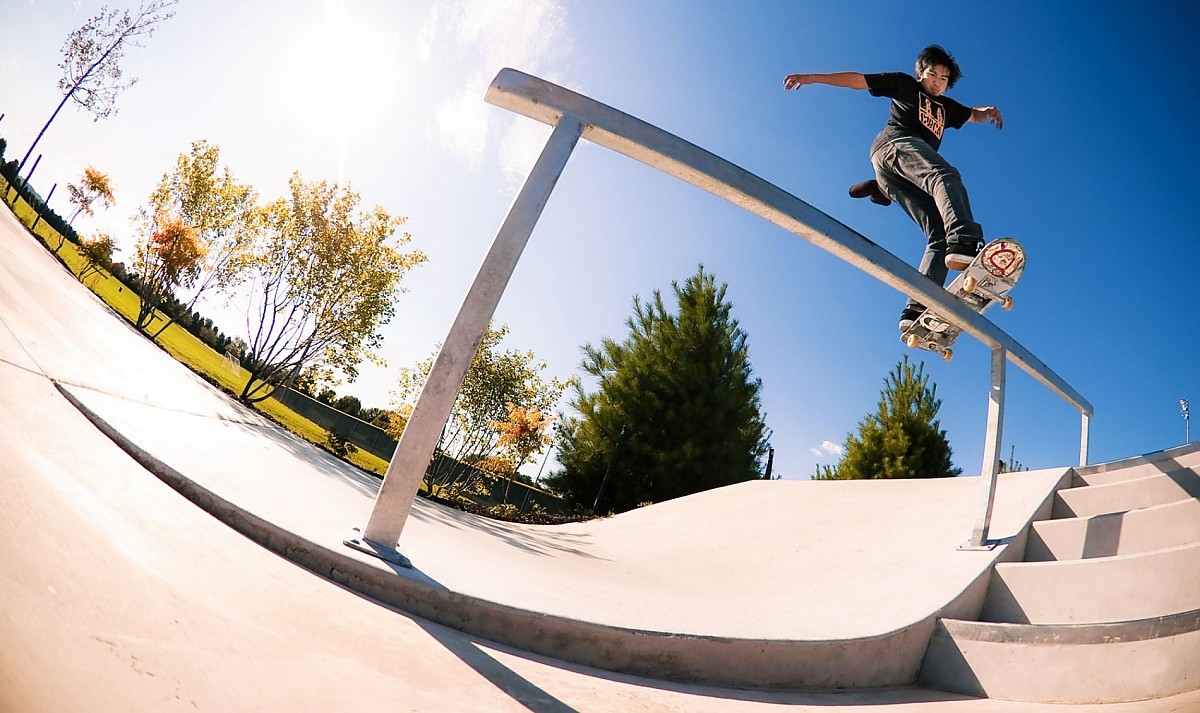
[[682, 388], [220, 210], [97, 252], [496, 379], [903, 438], [324, 278], [92, 75]]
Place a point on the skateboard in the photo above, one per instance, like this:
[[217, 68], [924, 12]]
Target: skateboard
[[986, 281]]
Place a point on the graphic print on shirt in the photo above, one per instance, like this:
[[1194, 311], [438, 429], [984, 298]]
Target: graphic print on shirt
[[932, 115]]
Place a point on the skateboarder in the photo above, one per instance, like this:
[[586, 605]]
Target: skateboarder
[[908, 168]]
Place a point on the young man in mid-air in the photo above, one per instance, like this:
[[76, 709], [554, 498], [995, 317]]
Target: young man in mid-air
[[908, 168]]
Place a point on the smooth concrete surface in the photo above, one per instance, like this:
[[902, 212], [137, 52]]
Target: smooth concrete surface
[[1112, 534], [1123, 495], [1107, 589], [1130, 661], [118, 594]]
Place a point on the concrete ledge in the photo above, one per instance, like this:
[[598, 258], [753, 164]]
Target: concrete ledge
[[1126, 495], [1115, 534], [1089, 591], [1140, 466], [1093, 663]]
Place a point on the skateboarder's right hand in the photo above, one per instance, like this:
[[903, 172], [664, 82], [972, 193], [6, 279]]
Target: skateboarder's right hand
[[795, 81], [849, 80]]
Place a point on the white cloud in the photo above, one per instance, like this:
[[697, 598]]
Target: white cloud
[[464, 44], [827, 448]]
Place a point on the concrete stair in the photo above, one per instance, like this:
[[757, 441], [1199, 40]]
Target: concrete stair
[[1105, 607]]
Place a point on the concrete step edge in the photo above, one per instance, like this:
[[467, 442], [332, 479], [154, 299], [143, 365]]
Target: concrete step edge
[[1113, 662], [1115, 534], [1088, 591], [1154, 457], [1143, 492]]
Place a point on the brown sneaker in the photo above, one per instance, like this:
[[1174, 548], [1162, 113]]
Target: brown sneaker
[[869, 189]]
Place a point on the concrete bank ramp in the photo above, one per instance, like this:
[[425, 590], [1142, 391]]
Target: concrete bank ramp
[[779, 584]]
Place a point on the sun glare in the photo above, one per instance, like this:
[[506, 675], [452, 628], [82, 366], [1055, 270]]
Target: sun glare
[[341, 73]]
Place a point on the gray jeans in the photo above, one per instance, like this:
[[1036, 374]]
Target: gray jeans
[[931, 191]]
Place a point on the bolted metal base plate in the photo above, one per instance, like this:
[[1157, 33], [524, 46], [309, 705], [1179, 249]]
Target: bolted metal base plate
[[987, 546], [387, 554]]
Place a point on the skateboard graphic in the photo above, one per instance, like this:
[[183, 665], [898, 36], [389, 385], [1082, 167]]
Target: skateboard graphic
[[986, 281]]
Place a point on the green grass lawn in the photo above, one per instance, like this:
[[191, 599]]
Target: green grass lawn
[[180, 343]]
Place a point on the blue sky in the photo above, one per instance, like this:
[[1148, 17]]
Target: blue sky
[[1093, 172]]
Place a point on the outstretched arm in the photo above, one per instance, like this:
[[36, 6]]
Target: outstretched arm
[[849, 80], [981, 114]]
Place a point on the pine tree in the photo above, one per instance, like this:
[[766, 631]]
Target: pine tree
[[681, 387], [902, 439]]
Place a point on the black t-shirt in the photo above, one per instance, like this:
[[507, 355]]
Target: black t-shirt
[[914, 111]]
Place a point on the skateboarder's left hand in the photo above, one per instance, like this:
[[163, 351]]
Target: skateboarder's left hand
[[981, 114]]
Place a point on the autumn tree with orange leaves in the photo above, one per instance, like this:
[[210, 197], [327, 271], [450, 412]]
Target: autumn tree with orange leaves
[[169, 257], [522, 434], [92, 186]]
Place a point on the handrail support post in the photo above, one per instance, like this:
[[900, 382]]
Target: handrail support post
[[991, 453]]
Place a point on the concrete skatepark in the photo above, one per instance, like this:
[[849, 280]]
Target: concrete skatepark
[[167, 549]]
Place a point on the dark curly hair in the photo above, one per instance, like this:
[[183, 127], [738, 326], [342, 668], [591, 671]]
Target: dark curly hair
[[936, 54]]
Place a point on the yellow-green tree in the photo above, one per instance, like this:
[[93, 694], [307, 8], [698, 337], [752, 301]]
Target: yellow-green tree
[[97, 251], [218, 207], [496, 378], [323, 279]]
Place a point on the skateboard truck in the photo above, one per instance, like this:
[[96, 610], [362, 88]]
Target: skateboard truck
[[972, 286]]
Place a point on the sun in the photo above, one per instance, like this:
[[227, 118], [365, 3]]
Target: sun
[[341, 73]]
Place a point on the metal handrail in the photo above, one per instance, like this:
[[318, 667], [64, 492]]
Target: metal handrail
[[538, 99], [575, 116]]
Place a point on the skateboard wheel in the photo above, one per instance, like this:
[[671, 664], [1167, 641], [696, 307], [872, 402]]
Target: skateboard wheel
[[948, 354], [969, 284], [1007, 303], [911, 341]]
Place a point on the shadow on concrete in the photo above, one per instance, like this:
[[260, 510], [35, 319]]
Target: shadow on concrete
[[946, 667], [1187, 479], [546, 541], [1103, 535], [502, 677]]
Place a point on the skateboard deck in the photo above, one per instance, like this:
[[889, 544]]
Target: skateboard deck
[[986, 281]]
